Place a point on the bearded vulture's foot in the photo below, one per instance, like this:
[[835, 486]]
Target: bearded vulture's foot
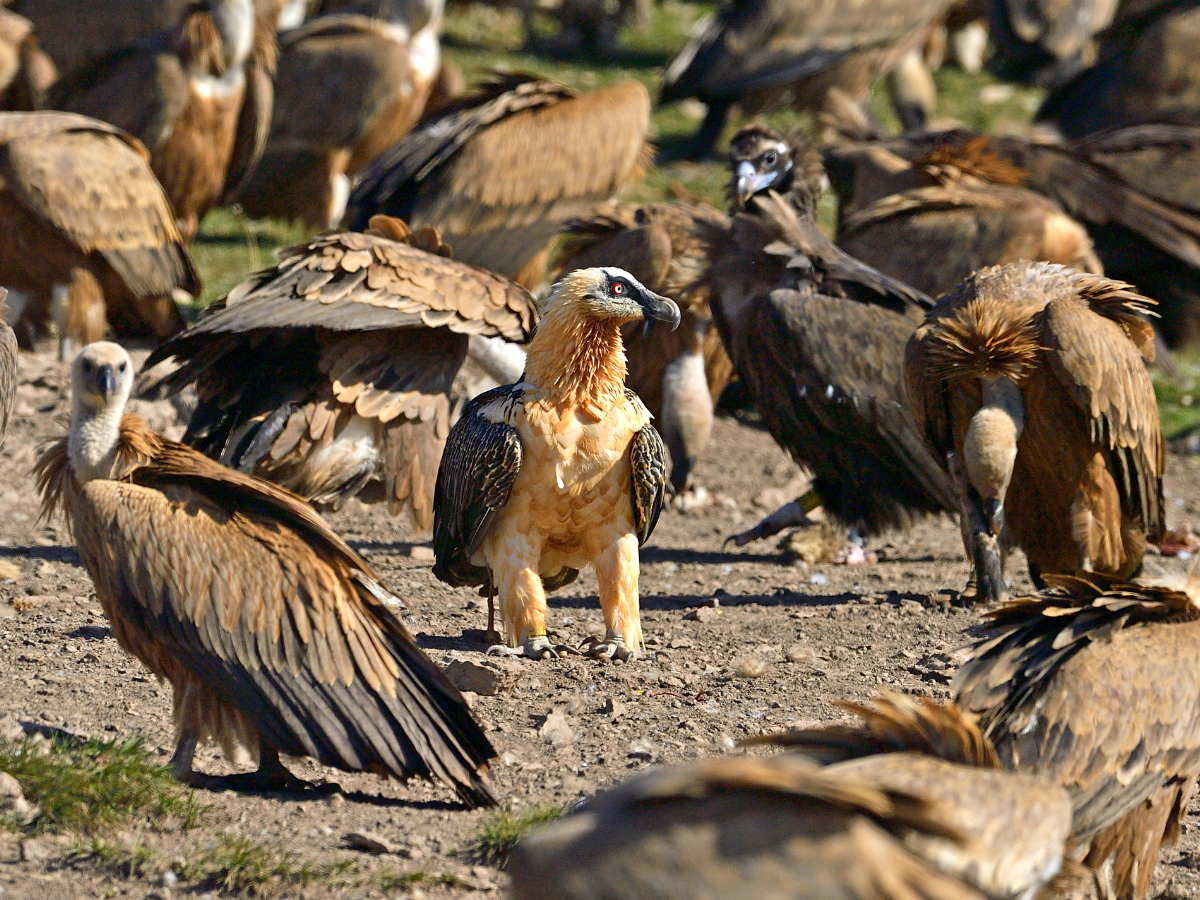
[[271, 777], [537, 647], [789, 515], [612, 647]]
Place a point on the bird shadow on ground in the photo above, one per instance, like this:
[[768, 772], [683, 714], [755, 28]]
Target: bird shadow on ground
[[684, 555], [669, 602], [399, 548], [91, 633], [52, 553]]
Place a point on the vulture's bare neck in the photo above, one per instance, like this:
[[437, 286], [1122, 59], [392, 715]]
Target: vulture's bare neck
[[575, 359], [92, 443]]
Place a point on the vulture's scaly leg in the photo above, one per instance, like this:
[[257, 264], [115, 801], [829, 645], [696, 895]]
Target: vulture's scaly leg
[[271, 776], [789, 515], [492, 636], [181, 762], [617, 574], [984, 549], [522, 598]]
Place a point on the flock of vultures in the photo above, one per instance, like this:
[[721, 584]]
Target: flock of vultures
[[1020, 401]]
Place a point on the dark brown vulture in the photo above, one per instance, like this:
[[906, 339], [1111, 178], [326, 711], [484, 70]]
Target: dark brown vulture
[[1047, 41], [500, 172], [1093, 684], [1029, 384], [8, 366], [965, 210], [820, 55], [25, 71], [1135, 189], [197, 95], [558, 471], [90, 242], [915, 808], [678, 374], [274, 635], [818, 339], [331, 373], [348, 88]]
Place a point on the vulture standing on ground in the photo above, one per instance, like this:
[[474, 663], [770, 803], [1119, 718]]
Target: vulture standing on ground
[[914, 806], [961, 209], [1148, 71], [819, 55], [562, 469], [90, 240], [1029, 384], [1135, 189], [348, 88], [679, 374], [198, 96], [331, 373], [1093, 684], [1047, 41], [8, 366], [273, 633], [500, 172], [25, 71], [818, 339]]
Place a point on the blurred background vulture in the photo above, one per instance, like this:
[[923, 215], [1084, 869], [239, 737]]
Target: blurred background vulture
[[819, 55], [1029, 383], [332, 372], [1093, 684], [678, 374], [818, 339], [348, 87], [274, 635], [198, 95], [1048, 41], [8, 366], [913, 805], [25, 71], [500, 171], [90, 242]]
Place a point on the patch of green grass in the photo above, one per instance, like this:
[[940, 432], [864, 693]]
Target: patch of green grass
[[124, 862], [237, 865], [1179, 400], [388, 880], [494, 840], [91, 786], [230, 246]]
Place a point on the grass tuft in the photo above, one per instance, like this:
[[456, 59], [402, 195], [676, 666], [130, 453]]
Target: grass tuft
[[237, 865], [388, 880], [494, 840], [90, 786], [125, 862]]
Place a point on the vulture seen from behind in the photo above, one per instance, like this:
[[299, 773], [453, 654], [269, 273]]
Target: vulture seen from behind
[[562, 469], [197, 95], [818, 339], [90, 239], [331, 373], [913, 805], [500, 171], [348, 87], [1093, 684], [678, 374], [820, 55], [1029, 384], [273, 633], [25, 71]]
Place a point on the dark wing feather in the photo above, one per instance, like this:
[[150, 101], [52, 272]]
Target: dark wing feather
[[475, 480], [648, 484], [8, 367]]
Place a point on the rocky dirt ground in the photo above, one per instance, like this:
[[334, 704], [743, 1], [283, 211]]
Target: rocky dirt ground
[[743, 642]]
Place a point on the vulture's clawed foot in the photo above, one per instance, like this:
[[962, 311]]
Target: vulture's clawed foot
[[263, 783], [612, 647], [537, 647], [790, 515]]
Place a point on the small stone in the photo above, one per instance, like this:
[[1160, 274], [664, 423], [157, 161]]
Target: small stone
[[801, 653], [714, 602], [911, 608], [705, 615], [487, 678], [367, 842], [413, 853], [36, 850], [751, 667], [575, 706], [510, 759], [11, 730], [10, 788], [169, 878], [681, 644], [614, 708], [421, 553], [820, 579], [641, 749], [556, 730]]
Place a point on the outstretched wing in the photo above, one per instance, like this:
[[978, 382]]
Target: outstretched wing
[[648, 487]]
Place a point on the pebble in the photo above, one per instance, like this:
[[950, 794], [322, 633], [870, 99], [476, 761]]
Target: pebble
[[800, 653], [641, 749], [421, 553], [36, 850], [367, 842], [820, 579], [751, 667], [487, 678], [556, 730], [704, 615]]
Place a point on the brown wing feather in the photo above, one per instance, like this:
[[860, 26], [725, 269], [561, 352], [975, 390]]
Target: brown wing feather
[[254, 119], [8, 367]]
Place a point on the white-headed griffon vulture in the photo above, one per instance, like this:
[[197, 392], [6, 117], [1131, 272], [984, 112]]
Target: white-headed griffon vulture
[[562, 469], [500, 171], [348, 87], [910, 805], [817, 337], [25, 71], [331, 373], [1093, 684], [90, 241], [274, 635], [8, 367], [198, 95], [1029, 384], [678, 374]]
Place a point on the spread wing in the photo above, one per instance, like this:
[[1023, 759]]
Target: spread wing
[[94, 184], [1106, 376], [475, 480], [245, 586], [8, 367], [648, 485]]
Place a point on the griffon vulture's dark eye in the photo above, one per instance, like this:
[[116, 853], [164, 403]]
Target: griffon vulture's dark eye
[[770, 158]]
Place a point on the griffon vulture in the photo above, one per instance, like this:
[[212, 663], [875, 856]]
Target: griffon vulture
[[500, 172], [1029, 384], [818, 339], [8, 366], [1046, 41], [679, 374], [273, 633], [915, 809], [331, 373], [90, 240], [348, 88], [1148, 71], [25, 71], [562, 469], [964, 211], [821, 55], [197, 95], [1093, 684]]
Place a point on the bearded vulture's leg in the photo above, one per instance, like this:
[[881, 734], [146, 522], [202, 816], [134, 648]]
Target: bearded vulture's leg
[[522, 597], [617, 575], [181, 762]]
